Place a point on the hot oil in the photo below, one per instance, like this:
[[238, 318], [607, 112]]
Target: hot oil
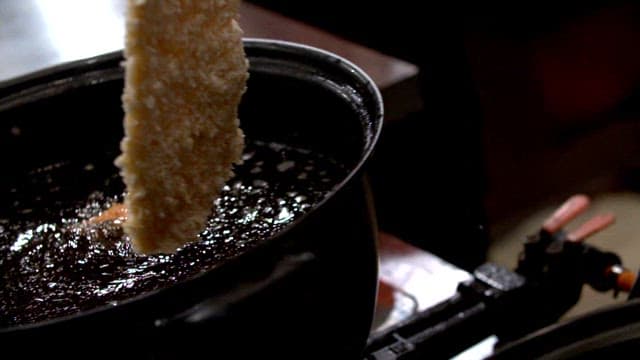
[[53, 263]]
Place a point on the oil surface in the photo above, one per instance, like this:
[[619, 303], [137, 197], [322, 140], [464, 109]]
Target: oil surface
[[53, 263]]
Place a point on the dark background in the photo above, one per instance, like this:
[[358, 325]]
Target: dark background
[[523, 102]]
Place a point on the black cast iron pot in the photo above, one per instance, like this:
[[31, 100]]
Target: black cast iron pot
[[307, 292]]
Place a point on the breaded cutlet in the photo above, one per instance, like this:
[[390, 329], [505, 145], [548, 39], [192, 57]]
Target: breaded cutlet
[[185, 73]]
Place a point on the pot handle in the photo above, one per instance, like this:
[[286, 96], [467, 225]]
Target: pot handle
[[219, 307]]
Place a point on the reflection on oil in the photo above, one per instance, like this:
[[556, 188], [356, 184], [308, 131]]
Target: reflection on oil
[[70, 263]]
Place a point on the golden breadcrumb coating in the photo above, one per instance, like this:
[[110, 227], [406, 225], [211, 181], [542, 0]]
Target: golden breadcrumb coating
[[185, 73]]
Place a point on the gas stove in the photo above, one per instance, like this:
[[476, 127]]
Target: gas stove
[[429, 308]]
